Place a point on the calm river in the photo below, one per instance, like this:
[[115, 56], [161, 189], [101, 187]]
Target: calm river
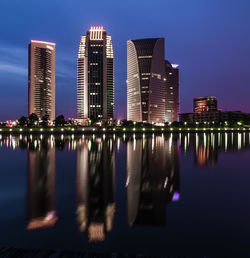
[[132, 194]]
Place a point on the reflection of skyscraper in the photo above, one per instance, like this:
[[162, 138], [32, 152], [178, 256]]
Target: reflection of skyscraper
[[152, 179], [41, 185], [95, 86], [95, 188], [42, 79]]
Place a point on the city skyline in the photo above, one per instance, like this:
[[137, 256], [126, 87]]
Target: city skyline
[[211, 49]]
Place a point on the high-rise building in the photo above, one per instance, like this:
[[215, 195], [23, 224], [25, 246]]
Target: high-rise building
[[95, 80], [145, 80], [172, 92], [42, 79], [152, 82], [205, 104]]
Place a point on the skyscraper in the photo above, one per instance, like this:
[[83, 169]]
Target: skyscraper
[[42, 79], [152, 82], [172, 92], [145, 80], [95, 80]]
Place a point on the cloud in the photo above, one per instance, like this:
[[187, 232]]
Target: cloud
[[13, 60], [13, 68]]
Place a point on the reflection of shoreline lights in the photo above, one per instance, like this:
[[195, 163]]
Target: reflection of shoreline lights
[[239, 141], [170, 142], [213, 140], [226, 142], [185, 144], [118, 144], [196, 141]]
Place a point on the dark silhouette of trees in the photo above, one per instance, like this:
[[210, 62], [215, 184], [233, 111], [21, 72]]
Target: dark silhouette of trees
[[22, 121], [60, 120], [33, 120]]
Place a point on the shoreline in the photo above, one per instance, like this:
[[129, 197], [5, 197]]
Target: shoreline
[[117, 130]]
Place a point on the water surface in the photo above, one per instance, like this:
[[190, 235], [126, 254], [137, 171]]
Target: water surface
[[159, 194]]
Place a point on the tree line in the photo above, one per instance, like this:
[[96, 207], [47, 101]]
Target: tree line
[[32, 121]]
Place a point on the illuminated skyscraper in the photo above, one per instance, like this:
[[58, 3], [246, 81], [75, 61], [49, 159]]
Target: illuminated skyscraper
[[152, 82], [42, 79], [145, 80], [172, 92], [95, 80]]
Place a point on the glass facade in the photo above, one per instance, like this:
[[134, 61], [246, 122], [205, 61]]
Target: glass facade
[[95, 84], [42, 79], [152, 86]]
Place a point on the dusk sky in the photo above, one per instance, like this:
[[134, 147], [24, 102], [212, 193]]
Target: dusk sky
[[209, 39]]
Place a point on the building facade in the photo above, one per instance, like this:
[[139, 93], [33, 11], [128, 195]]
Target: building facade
[[205, 110], [172, 92], [205, 104], [41, 81], [152, 82], [95, 77]]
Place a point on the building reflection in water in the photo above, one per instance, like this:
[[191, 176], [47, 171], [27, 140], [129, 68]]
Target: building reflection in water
[[152, 179], [95, 187], [41, 184]]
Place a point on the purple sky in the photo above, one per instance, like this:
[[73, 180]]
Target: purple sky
[[209, 39]]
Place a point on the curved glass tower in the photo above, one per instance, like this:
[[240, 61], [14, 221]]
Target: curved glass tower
[[95, 77], [152, 82], [145, 80]]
